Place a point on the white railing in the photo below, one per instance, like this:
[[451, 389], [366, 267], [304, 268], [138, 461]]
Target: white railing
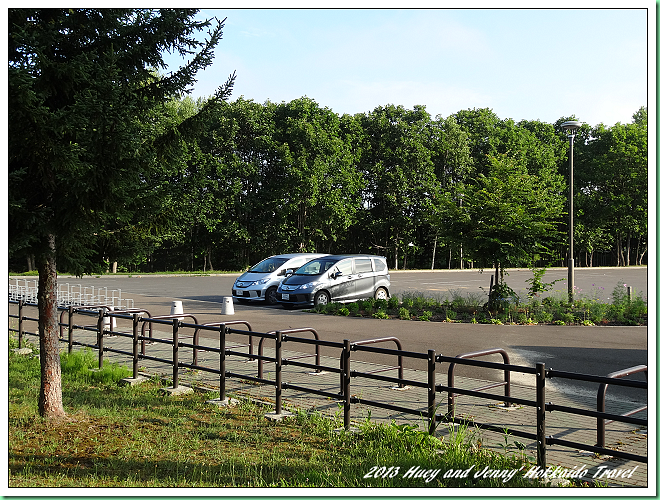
[[70, 295]]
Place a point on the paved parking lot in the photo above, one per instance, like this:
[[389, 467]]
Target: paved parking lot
[[594, 350]]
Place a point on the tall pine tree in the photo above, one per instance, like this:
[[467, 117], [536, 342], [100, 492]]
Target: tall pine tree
[[86, 138]]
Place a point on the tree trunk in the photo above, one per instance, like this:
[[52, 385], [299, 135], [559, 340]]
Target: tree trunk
[[114, 267], [396, 256], [208, 253], [50, 395], [435, 242], [628, 249], [462, 264]]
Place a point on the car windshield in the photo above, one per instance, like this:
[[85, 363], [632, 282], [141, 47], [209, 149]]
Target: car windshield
[[268, 265], [315, 267]]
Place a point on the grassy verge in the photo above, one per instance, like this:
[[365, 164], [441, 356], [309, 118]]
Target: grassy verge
[[452, 307], [118, 436]]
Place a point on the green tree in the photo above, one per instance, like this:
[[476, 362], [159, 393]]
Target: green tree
[[450, 153], [400, 179], [619, 185], [318, 182], [87, 146], [507, 217]]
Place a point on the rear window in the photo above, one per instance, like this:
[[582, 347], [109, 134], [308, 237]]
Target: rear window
[[363, 266], [380, 265]]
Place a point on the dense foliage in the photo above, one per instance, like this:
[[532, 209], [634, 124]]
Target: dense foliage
[[467, 190]]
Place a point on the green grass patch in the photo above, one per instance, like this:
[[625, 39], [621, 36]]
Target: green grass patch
[[122, 436]]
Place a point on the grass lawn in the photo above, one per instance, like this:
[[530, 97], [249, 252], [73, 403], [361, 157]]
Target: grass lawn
[[122, 436]]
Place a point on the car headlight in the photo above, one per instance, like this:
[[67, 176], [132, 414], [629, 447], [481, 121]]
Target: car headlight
[[260, 282], [309, 285]]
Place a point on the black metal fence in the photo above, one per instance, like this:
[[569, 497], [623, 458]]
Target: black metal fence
[[141, 320]]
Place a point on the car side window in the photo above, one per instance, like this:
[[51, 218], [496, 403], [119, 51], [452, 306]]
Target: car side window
[[380, 265], [345, 266], [363, 266], [295, 263]]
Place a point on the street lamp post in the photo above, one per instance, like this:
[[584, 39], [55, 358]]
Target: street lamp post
[[570, 128]]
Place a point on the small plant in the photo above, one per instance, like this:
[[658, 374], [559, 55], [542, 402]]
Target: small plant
[[425, 316], [536, 284], [343, 311], [393, 302], [404, 313], [380, 314], [381, 304], [501, 296], [353, 307]]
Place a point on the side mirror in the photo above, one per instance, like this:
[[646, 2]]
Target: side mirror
[[336, 275], [288, 272]]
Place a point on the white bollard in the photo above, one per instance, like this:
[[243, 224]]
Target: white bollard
[[177, 307], [227, 306], [106, 320]]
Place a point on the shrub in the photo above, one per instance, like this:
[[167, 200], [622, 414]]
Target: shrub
[[343, 311], [380, 314], [381, 304], [404, 313], [425, 316], [542, 316], [393, 302]]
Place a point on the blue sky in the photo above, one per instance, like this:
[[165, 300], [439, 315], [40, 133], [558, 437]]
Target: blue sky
[[521, 63]]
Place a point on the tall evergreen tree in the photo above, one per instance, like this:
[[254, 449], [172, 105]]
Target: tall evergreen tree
[[87, 142]]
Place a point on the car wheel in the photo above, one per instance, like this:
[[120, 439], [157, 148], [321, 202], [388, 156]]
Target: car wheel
[[271, 296], [322, 298], [381, 293]]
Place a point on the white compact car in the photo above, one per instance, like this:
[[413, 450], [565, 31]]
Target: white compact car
[[260, 282]]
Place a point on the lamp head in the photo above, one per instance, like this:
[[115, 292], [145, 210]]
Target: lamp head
[[570, 126]]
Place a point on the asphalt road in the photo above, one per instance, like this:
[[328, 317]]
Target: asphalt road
[[594, 350]]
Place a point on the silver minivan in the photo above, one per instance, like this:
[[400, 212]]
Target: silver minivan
[[336, 278], [260, 282]]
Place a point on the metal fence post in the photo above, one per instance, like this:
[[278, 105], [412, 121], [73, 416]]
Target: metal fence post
[[99, 338], [431, 388], [175, 353], [70, 329], [20, 324], [136, 322], [223, 356], [346, 386], [540, 415], [278, 373]]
